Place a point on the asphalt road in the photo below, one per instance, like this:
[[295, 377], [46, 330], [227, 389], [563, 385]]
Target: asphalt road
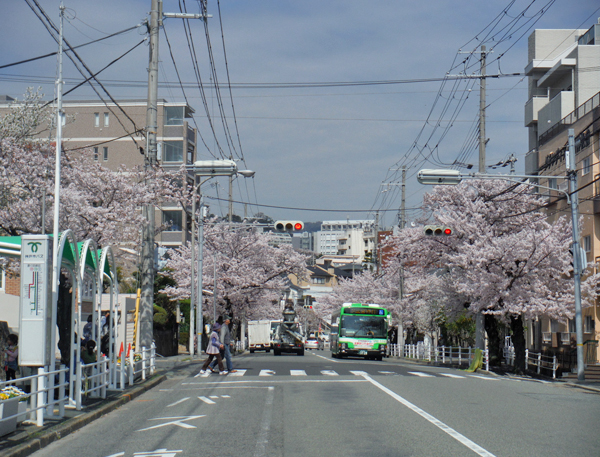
[[319, 406]]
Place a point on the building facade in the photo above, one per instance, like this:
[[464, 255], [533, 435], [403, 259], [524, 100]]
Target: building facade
[[564, 93]]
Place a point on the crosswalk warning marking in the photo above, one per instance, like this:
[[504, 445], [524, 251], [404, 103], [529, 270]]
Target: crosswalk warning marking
[[266, 373], [450, 375], [420, 374], [329, 373], [237, 373], [208, 401], [297, 373]]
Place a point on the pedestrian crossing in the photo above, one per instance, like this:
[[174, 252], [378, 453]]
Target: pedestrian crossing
[[266, 372]]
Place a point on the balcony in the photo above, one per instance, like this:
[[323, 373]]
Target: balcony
[[558, 108], [532, 107]]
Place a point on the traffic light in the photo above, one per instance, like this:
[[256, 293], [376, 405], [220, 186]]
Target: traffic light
[[437, 230], [289, 226]]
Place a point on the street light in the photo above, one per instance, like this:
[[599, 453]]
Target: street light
[[454, 177], [208, 169]]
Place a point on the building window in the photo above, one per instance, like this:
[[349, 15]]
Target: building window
[[96, 154], [318, 280], [173, 151], [96, 119], [105, 153], [552, 183], [105, 119], [174, 115], [587, 243], [587, 165], [589, 325], [173, 219]]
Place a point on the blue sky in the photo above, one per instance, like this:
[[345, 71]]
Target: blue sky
[[314, 148]]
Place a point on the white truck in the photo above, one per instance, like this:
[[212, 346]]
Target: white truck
[[259, 336]]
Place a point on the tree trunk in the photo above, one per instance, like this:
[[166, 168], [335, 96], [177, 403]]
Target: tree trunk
[[518, 339], [494, 340]]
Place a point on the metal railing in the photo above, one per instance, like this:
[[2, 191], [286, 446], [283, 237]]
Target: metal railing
[[538, 360], [40, 398], [439, 354]]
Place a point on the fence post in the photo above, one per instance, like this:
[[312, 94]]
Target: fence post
[[122, 372], [61, 391], [554, 366], [443, 354], [539, 362], [459, 356], [78, 387], [131, 368], [152, 358], [526, 359], [143, 363], [105, 376], [41, 405]]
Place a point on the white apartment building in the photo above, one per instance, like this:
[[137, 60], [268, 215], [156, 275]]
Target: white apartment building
[[347, 237]]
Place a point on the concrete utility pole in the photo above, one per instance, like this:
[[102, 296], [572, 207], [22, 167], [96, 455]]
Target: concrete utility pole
[[577, 253], [147, 268], [480, 318]]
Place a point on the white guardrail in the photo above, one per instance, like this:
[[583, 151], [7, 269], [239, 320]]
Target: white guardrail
[[94, 381], [439, 354], [541, 362]]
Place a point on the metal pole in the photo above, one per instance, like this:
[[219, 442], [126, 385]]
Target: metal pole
[[56, 229], [147, 273], [215, 286], [192, 272], [577, 261], [230, 198], [199, 317]]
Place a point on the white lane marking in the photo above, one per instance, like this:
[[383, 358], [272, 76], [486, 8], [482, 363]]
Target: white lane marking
[[386, 372], [329, 373], [450, 375], [420, 374], [265, 425], [116, 455], [157, 453], [213, 396], [225, 396], [297, 373], [445, 428], [237, 373], [487, 378], [359, 373], [266, 373], [208, 401], [179, 422], [178, 401]]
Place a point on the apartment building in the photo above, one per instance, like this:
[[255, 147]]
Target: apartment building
[[564, 93], [113, 134], [353, 238]]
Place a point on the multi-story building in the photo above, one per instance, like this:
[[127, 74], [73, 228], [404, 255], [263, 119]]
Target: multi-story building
[[564, 93], [349, 237], [113, 135]]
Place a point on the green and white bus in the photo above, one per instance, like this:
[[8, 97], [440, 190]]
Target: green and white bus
[[359, 330]]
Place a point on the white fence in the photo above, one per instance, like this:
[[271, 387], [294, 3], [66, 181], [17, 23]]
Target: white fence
[[91, 380], [542, 362], [439, 354]]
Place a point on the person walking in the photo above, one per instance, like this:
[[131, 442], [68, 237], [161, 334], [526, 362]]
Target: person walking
[[11, 354], [226, 341], [214, 350]]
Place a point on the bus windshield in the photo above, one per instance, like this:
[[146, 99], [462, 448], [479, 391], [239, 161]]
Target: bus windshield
[[363, 326]]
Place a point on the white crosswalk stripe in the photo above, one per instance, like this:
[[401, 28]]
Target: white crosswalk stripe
[[266, 373], [450, 375], [237, 373], [329, 373], [206, 400], [421, 375], [297, 373]]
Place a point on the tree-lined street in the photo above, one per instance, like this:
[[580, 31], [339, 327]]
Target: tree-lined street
[[315, 405]]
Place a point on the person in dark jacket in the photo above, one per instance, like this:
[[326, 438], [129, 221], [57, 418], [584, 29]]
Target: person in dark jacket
[[226, 341], [214, 350]]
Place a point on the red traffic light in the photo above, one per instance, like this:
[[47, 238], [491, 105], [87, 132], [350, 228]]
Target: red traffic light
[[289, 226], [447, 231], [437, 230], [298, 226]]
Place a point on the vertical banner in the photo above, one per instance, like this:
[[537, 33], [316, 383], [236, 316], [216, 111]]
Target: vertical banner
[[36, 300]]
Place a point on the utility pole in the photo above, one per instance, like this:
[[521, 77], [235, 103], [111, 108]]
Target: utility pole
[[403, 204], [402, 225], [147, 268], [577, 253], [480, 318], [147, 295]]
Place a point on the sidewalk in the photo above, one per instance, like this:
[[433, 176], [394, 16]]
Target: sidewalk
[[30, 438]]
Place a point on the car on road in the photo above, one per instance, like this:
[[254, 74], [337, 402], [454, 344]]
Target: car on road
[[313, 342]]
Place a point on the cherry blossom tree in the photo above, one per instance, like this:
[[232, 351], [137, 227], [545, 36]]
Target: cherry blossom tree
[[250, 273], [503, 260]]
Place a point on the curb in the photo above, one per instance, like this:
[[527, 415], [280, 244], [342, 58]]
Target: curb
[[69, 426]]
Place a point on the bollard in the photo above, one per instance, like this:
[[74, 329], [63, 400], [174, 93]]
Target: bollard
[[41, 405], [152, 358], [539, 362], [526, 359], [143, 363], [61, 391], [554, 367], [443, 354]]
